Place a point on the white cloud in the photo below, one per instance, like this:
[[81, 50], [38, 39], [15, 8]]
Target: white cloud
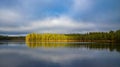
[[61, 24], [82, 5], [10, 16]]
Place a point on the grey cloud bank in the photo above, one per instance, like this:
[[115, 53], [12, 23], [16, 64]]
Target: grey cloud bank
[[60, 16]]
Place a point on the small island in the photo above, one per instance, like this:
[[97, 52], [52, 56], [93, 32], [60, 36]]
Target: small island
[[111, 36]]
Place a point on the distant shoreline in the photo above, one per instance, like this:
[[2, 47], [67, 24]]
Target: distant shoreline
[[102, 41]]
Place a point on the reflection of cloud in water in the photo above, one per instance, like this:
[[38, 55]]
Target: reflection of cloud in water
[[55, 55], [50, 55], [27, 57]]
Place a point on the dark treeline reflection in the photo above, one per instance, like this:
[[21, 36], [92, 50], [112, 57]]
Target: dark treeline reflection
[[99, 46]]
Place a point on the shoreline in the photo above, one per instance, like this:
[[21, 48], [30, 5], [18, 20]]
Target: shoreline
[[102, 41]]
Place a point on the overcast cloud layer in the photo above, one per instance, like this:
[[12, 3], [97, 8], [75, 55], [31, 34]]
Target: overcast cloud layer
[[19, 17]]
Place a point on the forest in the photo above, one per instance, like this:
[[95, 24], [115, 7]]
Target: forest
[[12, 38], [111, 36]]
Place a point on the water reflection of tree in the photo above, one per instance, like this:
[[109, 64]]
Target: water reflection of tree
[[97, 46]]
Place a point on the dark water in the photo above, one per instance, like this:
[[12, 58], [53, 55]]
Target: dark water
[[19, 54]]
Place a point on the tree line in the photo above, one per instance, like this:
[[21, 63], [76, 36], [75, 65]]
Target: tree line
[[34, 37], [111, 36], [13, 38]]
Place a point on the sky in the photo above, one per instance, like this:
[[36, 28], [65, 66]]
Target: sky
[[20, 17]]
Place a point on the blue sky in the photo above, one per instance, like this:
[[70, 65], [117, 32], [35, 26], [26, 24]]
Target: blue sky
[[19, 17]]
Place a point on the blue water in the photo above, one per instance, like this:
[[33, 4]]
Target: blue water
[[19, 54]]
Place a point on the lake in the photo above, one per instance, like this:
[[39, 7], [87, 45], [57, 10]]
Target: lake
[[78, 54]]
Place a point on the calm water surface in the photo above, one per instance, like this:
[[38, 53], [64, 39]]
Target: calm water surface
[[20, 54]]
